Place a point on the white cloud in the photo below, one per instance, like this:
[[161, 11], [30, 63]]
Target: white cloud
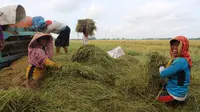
[[96, 10], [68, 6]]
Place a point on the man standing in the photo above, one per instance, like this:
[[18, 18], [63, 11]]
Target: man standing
[[63, 32]]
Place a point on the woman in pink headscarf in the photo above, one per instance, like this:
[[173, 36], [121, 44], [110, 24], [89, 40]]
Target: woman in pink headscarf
[[40, 52], [178, 72]]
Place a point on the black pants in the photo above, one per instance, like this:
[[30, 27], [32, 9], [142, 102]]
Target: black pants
[[63, 38]]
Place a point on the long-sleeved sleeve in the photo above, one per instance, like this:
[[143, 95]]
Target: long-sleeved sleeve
[[177, 65], [48, 30]]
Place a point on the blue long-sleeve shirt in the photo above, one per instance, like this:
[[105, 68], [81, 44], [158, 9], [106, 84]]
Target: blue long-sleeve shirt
[[179, 77]]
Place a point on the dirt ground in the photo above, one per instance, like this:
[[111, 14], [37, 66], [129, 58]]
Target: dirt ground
[[14, 75]]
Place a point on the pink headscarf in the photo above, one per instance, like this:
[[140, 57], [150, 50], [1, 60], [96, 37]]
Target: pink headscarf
[[36, 55], [184, 50]]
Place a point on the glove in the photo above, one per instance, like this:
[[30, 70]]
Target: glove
[[53, 64], [161, 68]]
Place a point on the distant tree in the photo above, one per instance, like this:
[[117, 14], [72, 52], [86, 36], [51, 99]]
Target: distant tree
[[194, 38], [92, 38]]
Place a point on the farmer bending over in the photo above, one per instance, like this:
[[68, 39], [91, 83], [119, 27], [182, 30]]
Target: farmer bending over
[[178, 73], [40, 51], [63, 37]]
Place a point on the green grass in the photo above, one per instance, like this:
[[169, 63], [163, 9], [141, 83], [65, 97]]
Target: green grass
[[91, 85]]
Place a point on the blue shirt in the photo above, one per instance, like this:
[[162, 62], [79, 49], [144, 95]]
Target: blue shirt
[[179, 77]]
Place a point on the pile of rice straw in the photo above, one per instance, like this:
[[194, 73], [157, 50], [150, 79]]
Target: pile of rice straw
[[86, 26]]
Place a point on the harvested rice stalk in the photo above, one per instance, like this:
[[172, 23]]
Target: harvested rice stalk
[[86, 26], [93, 63], [152, 65], [92, 55]]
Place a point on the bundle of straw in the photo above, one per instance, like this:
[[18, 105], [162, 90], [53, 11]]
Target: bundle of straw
[[91, 54], [152, 65], [86, 26]]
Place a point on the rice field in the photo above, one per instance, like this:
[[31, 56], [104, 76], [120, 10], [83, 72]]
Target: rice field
[[91, 81]]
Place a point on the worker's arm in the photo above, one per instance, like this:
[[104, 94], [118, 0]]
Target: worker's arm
[[53, 64], [49, 29], [177, 65]]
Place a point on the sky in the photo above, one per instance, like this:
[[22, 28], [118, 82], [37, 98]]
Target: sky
[[121, 18]]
